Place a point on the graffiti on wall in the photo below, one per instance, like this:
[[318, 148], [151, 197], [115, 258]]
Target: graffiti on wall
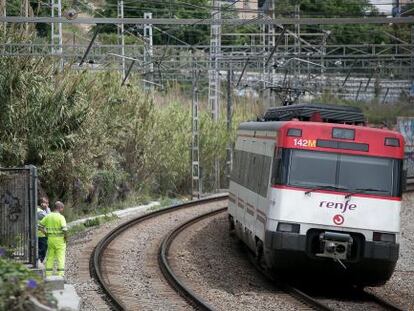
[[405, 125]]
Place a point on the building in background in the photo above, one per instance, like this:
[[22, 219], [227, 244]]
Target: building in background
[[402, 8], [248, 9]]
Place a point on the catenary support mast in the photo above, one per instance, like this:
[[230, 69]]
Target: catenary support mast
[[56, 31], [196, 187], [214, 75], [148, 50], [121, 35]]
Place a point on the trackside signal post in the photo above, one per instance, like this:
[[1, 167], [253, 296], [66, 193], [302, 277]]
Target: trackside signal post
[[195, 154], [214, 76]]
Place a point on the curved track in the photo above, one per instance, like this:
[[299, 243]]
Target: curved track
[[121, 299], [106, 269], [324, 304], [168, 272]]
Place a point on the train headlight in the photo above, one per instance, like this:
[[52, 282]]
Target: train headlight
[[383, 237], [288, 227]]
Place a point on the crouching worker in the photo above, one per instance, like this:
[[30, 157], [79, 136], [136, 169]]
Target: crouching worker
[[54, 226]]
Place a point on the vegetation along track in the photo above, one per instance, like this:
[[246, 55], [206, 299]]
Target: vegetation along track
[[125, 262]]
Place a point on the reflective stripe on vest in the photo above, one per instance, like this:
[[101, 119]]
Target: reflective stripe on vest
[[53, 225]]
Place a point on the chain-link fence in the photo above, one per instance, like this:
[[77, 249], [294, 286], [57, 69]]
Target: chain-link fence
[[18, 220]]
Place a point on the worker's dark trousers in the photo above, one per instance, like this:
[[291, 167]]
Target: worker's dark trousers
[[42, 248]]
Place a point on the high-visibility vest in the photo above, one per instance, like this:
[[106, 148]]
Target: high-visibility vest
[[55, 225], [40, 215]]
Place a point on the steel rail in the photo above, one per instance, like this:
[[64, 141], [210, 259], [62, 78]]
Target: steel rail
[[97, 254], [291, 290], [383, 303], [196, 301]]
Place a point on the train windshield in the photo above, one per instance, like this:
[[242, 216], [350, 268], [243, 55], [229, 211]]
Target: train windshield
[[344, 172]]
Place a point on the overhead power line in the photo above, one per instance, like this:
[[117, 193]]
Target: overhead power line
[[192, 21]]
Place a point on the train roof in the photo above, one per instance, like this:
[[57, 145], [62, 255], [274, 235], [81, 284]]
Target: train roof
[[324, 113], [261, 126], [276, 125]]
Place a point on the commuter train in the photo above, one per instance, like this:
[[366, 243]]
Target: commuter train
[[313, 189]]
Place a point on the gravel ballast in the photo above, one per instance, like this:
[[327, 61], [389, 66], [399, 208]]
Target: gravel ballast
[[216, 266], [400, 288], [229, 280]]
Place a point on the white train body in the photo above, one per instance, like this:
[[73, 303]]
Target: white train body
[[319, 195]]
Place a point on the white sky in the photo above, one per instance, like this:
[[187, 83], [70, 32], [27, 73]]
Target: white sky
[[383, 5]]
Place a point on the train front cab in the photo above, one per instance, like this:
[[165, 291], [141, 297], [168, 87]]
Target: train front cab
[[333, 211]]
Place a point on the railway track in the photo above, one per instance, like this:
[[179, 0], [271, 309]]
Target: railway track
[[308, 301], [364, 298], [109, 256], [198, 302], [121, 299]]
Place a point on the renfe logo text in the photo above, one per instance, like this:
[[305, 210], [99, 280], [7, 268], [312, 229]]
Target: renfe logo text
[[336, 205]]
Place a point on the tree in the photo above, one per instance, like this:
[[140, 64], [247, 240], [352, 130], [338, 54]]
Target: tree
[[191, 34], [341, 34]]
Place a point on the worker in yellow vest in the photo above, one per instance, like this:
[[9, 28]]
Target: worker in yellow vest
[[42, 211], [54, 226]]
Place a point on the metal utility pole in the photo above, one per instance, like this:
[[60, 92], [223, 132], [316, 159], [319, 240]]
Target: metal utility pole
[[229, 149], [56, 29], [120, 31], [411, 71], [297, 48], [214, 75], [269, 43], [323, 49], [412, 58], [25, 13], [3, 13], [195, 155], [148, 49], [214, 70]]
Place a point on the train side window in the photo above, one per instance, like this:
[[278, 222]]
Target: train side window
[[236, 166], [251, 172], [241, 167], [276, 166], [265, 176], [246, 166], [280, 166], [257, 173]]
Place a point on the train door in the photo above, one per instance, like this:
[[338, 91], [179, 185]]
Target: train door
[[240, 190], [276, 175], [253, 172], [263, 187]]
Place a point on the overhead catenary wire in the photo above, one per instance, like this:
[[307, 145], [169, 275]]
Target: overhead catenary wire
[[194, 21]]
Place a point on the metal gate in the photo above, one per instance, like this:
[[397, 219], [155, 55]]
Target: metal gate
[[18, 218]]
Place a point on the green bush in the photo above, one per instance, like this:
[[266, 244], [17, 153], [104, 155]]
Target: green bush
[[94, 141], [94, 222], [17, 284]]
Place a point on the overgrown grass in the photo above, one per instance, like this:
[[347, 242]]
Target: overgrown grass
[[95, 143], [91, 223], [18, 284], [72, 213]]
